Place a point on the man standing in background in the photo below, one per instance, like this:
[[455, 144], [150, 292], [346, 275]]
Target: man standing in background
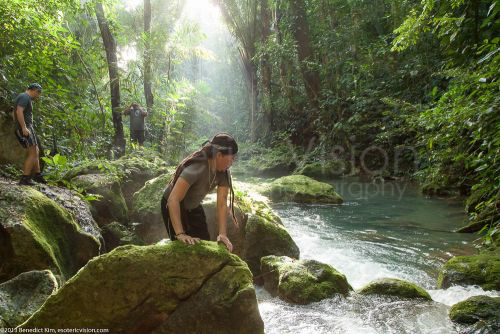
[[137, 115], [25, 133]]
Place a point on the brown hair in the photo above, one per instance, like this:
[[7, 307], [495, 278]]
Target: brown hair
[[221, 142]]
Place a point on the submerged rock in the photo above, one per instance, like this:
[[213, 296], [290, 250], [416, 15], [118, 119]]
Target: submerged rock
[[23, 295], [482, 270], [302, 189], [146, 211], [171, 288], [475, 309], [394, 287], [36, 234], [302, 282]]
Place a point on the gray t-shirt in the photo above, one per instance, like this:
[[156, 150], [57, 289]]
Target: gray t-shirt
[[24, 100], [197, 177], [136, 119]]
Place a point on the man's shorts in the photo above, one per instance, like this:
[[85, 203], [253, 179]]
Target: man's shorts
[[28, 141]]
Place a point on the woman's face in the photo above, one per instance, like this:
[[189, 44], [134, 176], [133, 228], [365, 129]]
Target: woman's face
[[223, 162]]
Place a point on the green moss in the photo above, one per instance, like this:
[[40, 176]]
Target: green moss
[[394, 287], [132, 284], [476, 308], [147, 199], [302, 189], [50, 238], [302, 282], [482, 270], [327, 169], [23, 295], [111, 205], [266, 238], [250, 203], [266, 161]]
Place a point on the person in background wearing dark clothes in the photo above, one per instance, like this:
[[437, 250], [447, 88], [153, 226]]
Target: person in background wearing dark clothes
[[137, 115], [25, 133]]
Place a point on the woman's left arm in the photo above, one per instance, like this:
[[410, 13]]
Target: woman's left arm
[[222, 192]]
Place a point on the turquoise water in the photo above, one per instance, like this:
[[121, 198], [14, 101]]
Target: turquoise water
[[382, 230]]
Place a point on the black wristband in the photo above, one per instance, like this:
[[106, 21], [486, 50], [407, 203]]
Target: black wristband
[[180, 234]]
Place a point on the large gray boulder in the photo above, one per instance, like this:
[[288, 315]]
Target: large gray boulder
[[169, 288], [23, 295], [146, 210], [11, 151], [36, 234], [76, 206]]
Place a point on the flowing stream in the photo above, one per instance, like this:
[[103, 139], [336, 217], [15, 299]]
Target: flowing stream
[[381, 230]]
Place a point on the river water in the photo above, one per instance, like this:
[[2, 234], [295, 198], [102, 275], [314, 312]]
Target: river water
[[381, 230]]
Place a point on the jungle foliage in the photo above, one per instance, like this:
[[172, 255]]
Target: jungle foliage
[[398, 87]]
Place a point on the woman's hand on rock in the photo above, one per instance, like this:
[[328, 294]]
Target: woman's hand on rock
[[225, 241], [187, 239]]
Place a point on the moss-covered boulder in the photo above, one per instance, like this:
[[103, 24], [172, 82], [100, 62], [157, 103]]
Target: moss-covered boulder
[[302, 189], [116, 234], [11, 151], [23, 295], [131, 171], [146, 210], [302, 282], [136, 168], [475, 309], [111, 205], [76, 206], [260, 232], [170, 288], [322, 169], [482, 270], [234, 233], [394, 287], [264, 237], [36, 234]]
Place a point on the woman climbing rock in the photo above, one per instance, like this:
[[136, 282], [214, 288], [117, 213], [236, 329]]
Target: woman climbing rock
[[194, 178]]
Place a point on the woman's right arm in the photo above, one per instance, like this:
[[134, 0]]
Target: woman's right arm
[[174, 207]]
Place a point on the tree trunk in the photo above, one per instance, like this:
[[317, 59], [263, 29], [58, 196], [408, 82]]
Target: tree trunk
[[305, 52], [147, 57], [285, 84], [251, 75], [114, 79], [243, 25], [267, 105]]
